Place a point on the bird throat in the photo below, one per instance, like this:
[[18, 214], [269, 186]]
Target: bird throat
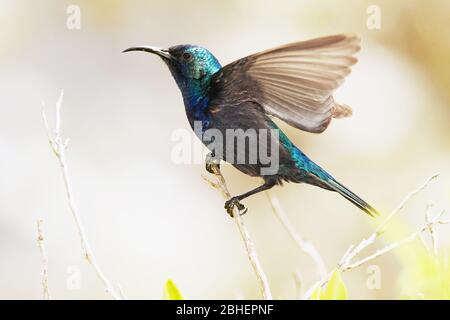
[[196, 101]]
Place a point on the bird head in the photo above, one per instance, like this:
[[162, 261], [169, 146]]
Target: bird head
[[191, 66]]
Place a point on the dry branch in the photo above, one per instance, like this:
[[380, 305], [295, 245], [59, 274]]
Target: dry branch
[[304, 245], [59, 147], [249, 246], [346, 262], [44, 260]]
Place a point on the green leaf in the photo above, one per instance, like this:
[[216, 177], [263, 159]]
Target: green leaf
[[335, 289], [171, 291]]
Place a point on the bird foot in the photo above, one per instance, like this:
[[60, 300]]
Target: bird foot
[[234, 202], [211, 163]]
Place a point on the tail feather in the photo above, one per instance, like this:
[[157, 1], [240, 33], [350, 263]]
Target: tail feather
[[340, 111], [353, 198]]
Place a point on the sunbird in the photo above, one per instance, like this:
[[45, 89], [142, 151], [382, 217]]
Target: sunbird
[[293, 82]]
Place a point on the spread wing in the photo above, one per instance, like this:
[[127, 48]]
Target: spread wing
[[294, 82]]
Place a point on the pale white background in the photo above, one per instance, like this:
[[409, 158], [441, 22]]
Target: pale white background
[[149, 219]]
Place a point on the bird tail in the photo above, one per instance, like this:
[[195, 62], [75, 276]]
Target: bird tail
[[340, 111], [353, 198]]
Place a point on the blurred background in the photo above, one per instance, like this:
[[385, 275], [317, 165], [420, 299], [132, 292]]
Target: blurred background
[[149, 219]]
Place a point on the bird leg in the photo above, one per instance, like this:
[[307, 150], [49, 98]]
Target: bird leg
[[231, 203], [211, 162], [234, 201]]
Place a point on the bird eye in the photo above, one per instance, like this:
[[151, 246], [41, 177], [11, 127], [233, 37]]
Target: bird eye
[[187, 56]]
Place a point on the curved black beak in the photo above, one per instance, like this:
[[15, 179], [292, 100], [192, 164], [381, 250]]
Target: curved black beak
[[163, 53]]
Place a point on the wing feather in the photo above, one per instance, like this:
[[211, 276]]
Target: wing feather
[[294, 82]]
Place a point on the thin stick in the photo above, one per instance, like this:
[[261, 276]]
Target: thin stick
[[121, 292], [249, 246], [298, 284], [304, 245], [388, 248], [44, 261], [59, 146], [431, 229], [346, 263], [394, 245], [402, 204], [355, 250]]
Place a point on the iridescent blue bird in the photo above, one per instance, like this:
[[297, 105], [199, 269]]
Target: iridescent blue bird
[[293, 82]]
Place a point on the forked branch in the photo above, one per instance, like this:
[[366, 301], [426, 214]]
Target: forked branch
[[347, 262]]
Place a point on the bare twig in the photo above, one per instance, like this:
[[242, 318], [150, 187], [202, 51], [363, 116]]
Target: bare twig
[[121, 292], [352, 265], [434, 238], [249, 246], [402, 204], [298, 284], [59, 147], [306, 246], [352, 252], [427, 226], [44, 260], [316, 285], [346, 262]]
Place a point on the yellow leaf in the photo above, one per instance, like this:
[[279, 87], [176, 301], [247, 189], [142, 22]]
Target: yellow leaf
[[315, 295], [335, 289], [171, 291], [427, 278]]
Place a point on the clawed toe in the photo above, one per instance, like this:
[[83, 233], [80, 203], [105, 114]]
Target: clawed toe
[[210, 163], [230, 204], [209, 167]]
